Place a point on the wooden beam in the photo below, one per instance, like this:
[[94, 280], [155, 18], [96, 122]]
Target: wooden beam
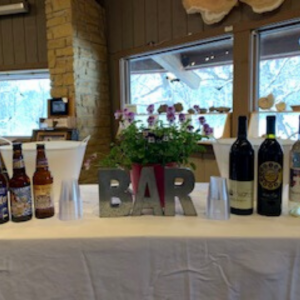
[[172, 63]]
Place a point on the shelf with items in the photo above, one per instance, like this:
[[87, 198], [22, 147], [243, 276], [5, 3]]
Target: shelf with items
[[55, 134], [220, 122], [286, 123]]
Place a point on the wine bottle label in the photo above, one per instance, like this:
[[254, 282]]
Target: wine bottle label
[[241, 194], [3, 203], [20, 201], [270, 175], [43, 196], [18, 163], [294, 190]]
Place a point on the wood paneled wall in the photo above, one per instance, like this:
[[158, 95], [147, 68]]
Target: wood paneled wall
[[137, 24], [23, 38]]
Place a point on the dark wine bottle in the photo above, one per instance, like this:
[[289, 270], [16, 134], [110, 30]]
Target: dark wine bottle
[[270, 173], [241, 172]]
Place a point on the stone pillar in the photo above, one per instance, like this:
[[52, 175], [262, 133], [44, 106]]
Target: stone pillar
[[77, 57]]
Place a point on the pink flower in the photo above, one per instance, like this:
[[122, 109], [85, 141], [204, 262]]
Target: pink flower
[[181, 118], [151, 120], [129, 116], [171, 117], [150, 109], [190, 128], [197, 108], [207, 129], [87, 164], [202, 120], [170, 109], [118, 114]]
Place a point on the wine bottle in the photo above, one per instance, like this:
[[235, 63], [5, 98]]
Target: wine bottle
[[270, 173], [241, 172], [294, 189]]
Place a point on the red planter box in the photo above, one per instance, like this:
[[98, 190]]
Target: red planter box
[[135, 174]]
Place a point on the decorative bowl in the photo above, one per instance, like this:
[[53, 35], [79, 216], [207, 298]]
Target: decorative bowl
[[295, 107], [65, 159]]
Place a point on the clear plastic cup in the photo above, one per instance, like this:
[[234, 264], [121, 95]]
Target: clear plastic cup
[[70, 202], [218, 199]]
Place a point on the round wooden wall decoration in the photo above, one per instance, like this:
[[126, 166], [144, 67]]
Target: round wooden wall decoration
[[214, 11]]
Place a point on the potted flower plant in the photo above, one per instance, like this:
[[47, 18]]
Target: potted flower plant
[[156, 144]]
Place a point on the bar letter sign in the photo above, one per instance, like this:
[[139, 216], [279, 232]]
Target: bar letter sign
[[114, 185]]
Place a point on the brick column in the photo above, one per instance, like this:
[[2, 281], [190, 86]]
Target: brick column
[[77, 57]]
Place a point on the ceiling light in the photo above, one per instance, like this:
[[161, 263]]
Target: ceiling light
[[16, 8]]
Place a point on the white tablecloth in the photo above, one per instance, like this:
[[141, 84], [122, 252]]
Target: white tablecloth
[[151, 258]]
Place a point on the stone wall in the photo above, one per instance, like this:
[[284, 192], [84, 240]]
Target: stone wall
[[77, 56]]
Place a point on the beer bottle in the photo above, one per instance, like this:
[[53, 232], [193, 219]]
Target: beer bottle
[[4, 170], [42, 186], [4, 212], [20, 188]]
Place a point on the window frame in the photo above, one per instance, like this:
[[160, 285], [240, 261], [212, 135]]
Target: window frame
[[256, 33], [273, 27]]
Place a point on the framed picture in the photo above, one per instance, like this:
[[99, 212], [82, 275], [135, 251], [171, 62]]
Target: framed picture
[[58, 107], [44, 135]]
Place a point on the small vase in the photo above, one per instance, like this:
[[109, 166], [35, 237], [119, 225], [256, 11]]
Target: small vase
[[135, 174]]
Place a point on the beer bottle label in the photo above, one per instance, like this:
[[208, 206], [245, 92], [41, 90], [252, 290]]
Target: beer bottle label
[[18, 163], [3, 203], [42, 162], [21, 201], [43, 196]]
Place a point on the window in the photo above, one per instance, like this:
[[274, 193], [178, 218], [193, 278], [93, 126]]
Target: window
[[23, 101], [279, 74], [193, 75]]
